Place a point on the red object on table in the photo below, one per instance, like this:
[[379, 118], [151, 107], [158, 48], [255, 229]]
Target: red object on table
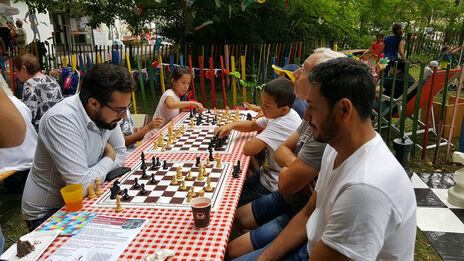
[[173, 228]]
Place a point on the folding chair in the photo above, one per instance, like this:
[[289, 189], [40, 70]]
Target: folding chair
[[439, 82]]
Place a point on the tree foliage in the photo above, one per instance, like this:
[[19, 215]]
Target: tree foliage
[[350, 21]]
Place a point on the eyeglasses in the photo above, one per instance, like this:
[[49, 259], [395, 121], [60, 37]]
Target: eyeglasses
[[119, 111]]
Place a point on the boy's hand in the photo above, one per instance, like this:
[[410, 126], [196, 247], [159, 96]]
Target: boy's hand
[[155, 123], [252, 107], [199, 107], [224, 130]]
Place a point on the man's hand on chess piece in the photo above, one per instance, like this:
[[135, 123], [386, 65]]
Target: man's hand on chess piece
[[109, 151], [224, 130]]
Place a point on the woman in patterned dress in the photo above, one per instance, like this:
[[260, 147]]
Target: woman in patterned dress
[[40, 91]]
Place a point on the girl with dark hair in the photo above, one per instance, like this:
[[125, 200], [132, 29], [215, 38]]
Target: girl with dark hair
[[393, 44], [169, 104]]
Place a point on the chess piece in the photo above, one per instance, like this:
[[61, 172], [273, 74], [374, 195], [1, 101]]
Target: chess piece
[[204, 172], [456, 193], [158, 163], [116, 186], [191, 123], [211, 158], [218, 161], [182, 129], [174, 180], [189, 197], [91, 192], [160, 141], [136, 183], [201, 193], [192, 192], [208, 185], [179, 173], [249, 117], [191, 113], [208, 163], [153, 163], [152, 180], [238, 167], [98, 189], [144, 174], [143, 191], [200, 175], [189, 176], [113, 192], [126, 195], [182, 186], [168, 144], [165, 165], [155, 145], [118, 208], [163, 148], [198, 161]]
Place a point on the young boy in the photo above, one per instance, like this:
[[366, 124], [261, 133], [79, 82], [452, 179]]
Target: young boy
[[278, 123]]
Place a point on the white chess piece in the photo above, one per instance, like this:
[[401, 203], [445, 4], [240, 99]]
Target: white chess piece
[[456, 193]]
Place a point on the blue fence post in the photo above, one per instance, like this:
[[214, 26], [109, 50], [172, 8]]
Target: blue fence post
[[274, 75]]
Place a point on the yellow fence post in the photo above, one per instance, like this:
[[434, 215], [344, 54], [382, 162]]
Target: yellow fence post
[[130, 72], [234, 87], [242, 63]]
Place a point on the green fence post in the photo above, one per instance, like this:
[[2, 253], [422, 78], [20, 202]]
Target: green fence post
[[380, 111], [139, 68], [416, 110], [405, 99]]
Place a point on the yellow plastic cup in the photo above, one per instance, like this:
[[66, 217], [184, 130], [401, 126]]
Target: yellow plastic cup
[[73, 197]]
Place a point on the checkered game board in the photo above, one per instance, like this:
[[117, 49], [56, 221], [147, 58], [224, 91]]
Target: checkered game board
[[195, 140], [162, 193], [440, 221], [208, 117]]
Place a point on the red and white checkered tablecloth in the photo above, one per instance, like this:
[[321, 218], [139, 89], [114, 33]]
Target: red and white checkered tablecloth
[[173, 228]]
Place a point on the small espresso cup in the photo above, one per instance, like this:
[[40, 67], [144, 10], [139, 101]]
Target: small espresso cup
[[201, 209]]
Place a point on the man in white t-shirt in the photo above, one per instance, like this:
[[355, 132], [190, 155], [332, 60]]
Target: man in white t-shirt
[[278, 123], [363, 207]]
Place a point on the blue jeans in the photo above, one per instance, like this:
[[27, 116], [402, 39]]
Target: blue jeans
[[252, 189], [2, 241], [33, 224], [299, 255]]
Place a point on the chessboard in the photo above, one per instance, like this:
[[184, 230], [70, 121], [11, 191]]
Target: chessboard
[[193, 140], [440, 221], [159, 190], [212, 118]]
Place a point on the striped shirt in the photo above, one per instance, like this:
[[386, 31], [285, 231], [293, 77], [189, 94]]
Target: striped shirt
[[69, 151]]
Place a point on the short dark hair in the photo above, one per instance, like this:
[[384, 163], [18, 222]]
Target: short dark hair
[[346, 78], [379, 35], [179, 71], [397, 29], [104, 78], [282, 91], [29, 61]]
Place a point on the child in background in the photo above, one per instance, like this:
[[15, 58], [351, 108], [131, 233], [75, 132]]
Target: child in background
[[169, 104], [278, 123], [133, 135], [447, 54], [376, 48]]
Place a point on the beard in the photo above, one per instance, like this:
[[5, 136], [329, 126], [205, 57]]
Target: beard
[[327, 130], [104, 125]]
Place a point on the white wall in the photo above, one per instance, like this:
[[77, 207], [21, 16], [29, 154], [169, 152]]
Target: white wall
[[45, 30]]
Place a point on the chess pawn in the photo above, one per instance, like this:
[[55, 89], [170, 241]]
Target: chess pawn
[[174, 180], [182, 186], [227, 109], [204, 172], [189, 197], [218, 161], [182, 129], [208, 163], [200, 175], [118, 208], [98, 190], [160, 141], [192, 125], [192, 192], [189, 176], [163, 148], [91, 192], [208, 185], [168, 144], [155, 145], [199, 166], [201, 193]]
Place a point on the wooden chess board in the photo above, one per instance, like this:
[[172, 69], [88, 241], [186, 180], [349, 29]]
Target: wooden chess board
[[162, 193]]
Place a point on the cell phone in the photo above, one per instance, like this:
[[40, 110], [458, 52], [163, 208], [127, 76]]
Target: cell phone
[[115, 173]]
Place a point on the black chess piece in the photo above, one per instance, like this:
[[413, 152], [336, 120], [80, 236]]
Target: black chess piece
[[153, 163], [194, 110], [198, 161], [144, 175], [152, 180], [113, 192], [158, 163], [143, 191], [199, 120], [249, 117], [238, 166], [126, 195], [136, 184], [191, 113], [235, 173], [211, 158], [165, 165], [142, 156], [117, 187]]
